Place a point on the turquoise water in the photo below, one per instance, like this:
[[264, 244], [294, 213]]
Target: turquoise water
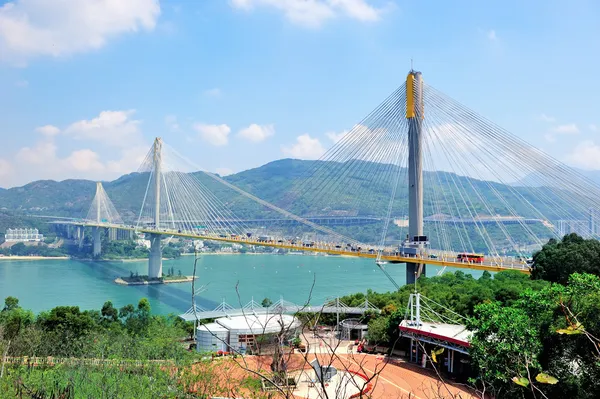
[[41, 285]]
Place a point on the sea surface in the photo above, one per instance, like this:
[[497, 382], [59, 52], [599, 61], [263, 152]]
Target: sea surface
[[43, 284]]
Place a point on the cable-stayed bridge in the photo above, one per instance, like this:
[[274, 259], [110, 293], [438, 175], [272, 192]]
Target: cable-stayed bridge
[[420, 154]]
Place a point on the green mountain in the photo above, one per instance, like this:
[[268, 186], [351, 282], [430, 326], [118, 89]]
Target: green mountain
[[306, 188], [318, 188]]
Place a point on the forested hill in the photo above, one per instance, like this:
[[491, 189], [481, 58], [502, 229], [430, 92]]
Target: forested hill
[[272, 182]]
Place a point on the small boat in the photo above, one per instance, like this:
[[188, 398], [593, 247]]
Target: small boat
[[380, 262]]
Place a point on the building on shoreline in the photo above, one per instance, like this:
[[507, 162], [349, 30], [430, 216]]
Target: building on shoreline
[[23, 235]]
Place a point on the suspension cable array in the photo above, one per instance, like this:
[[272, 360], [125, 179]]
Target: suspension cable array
[[485, 190]]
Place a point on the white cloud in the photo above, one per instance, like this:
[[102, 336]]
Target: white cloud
[[585, 155], [48, 130], [335, 137], [491, 34], [83, 161], [257, 133], [216, 92], [43, 153], [6, 168], [112, 128], [223, 171], [570, 128], [21, 83], [44, 160], [305, 147], [313, 13], [32, 28], [547, 118], [217, 135]]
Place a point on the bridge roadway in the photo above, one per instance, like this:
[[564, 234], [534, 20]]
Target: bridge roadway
[[493, 264]]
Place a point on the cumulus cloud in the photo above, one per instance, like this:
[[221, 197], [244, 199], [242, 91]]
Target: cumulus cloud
[[32, 28], [305, 147], [6, 168], [257, 133], [335, 137], [585, 155], [313, 13], [570, 128], [112, 128], [217, 135], [45, 160], [48, 130]]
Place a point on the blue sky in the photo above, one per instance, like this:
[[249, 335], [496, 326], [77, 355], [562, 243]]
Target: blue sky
[[85, 85]]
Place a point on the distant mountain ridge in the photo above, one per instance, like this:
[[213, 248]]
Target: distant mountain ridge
[[271, 182]]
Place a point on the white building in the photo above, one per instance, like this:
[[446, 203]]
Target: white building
[[240, 332], [19, 235]]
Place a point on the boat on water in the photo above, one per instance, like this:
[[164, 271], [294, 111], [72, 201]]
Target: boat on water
[[295, 253], [380, 262]]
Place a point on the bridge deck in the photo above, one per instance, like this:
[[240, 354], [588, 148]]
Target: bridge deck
[[493, 264]]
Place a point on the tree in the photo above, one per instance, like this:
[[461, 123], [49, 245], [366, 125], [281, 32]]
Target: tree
[[558, 259], [18, 249], [546, 335], [505, 345], [10, 303], [126, 311], [109, 311], [378, 331], [266, 302]]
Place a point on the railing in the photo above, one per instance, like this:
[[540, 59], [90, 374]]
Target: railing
[[447, 259]]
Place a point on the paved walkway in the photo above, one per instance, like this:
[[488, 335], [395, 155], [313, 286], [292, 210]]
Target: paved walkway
[[342, 386]]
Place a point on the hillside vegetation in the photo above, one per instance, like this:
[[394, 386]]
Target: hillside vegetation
[[307, 188]]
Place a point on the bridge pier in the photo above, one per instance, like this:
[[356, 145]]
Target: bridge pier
[[155, 260], [97, 241], [414, 114]]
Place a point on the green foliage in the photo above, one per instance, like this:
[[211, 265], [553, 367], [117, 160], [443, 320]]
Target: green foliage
[[504, 344], [20, 249], [559, 259], [276, 183], [66, 331], [266, 303], [10, 303], [549, 333], [91, 382], [378, 331], [458, 291]]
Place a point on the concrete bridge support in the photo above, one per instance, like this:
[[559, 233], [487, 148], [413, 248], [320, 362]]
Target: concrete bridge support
[[97, 241], [414, 114], [155, 260]]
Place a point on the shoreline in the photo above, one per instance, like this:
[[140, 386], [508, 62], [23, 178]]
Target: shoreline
[[16, 257], [183, 279]]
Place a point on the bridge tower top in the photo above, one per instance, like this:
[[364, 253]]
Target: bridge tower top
[[157, 160], [102, 209], [414, 114]]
